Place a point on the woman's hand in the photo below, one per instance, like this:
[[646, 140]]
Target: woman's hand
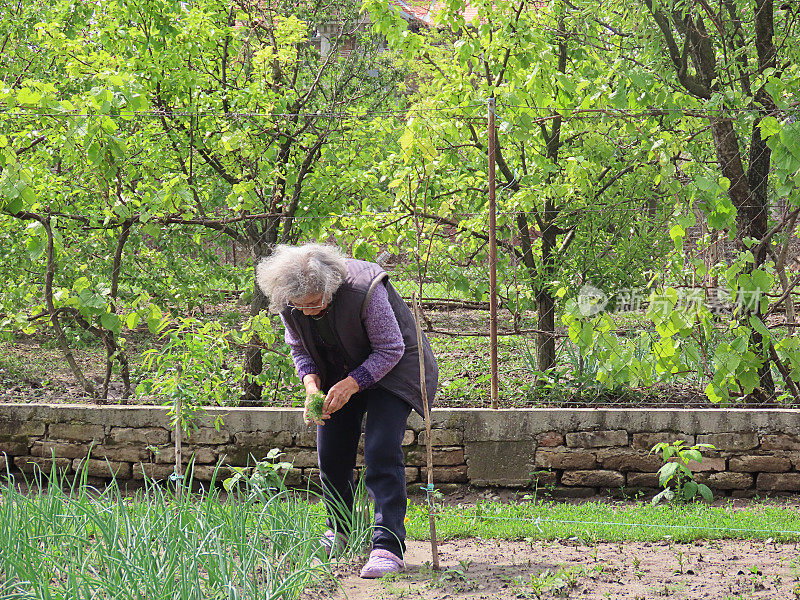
[[312, 383], [338, 396]]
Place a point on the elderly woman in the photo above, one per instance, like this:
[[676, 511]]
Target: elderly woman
[[352, 337]]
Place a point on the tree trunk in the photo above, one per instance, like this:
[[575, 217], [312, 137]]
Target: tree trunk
[[117, 264], [780, 269], [545, 340], [253, 364], [757, 175], [748, 195], [545, 302], [54, 319], [262, 244]]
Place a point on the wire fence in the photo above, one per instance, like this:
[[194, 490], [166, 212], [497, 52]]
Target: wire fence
[[619, 277]]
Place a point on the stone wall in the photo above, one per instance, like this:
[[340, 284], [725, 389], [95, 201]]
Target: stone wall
[[561, 452]]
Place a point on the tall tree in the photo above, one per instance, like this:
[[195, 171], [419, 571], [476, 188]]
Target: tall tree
[[733, 58], [240, 105], [561, 165]]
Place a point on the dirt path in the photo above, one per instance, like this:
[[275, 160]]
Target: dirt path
[[503, 570]]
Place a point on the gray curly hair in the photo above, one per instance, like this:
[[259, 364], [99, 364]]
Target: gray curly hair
[[293, 272]]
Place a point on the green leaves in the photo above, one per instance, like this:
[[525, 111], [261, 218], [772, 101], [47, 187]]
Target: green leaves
[[678, 231], [752, 289], [684, 328], [769, 126], [675, 476], [132, 320], [111, 322], [17, 189], [784, 141], [95, 153], [35, 241], [190, 366], [416, 143], [705, 492], [667, 472], [155, 320], [28, 96], [264, 479]]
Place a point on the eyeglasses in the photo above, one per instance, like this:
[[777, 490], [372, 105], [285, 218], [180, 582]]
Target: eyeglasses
[[322, 304]]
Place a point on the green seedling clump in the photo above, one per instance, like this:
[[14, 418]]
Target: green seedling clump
[[315, 406]]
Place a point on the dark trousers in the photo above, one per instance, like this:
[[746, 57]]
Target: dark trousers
[[385, 478]]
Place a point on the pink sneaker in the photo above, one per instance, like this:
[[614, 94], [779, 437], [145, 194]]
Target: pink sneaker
[[380, 563], [333, 543]]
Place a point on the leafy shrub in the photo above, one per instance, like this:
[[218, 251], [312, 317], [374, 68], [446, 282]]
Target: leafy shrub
[[262, 479], [675, 476]]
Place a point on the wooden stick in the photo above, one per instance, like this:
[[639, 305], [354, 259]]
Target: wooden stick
[[428, 441], [178, 451]]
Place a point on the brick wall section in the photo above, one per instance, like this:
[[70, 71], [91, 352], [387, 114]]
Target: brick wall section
[[563, 452]]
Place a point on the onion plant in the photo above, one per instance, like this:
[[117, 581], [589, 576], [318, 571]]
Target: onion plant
[[68, 540]]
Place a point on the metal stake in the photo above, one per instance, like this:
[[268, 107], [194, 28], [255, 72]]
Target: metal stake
[[495, 386]]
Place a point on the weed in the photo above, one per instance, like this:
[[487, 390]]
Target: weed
[[153, 451], [679, 570], [264, 478], [454, 577], [675, 476], [465, 563], [547, 488], [756, 579], [558, 583], [598, 568], [389, 582], [664, 591], [315, 404]]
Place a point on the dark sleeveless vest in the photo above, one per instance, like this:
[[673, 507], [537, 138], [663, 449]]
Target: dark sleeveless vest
[[346, 314]]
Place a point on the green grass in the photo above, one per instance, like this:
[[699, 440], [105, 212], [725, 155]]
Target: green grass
[[598, 521]]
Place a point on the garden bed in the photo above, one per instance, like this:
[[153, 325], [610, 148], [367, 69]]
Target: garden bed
[[514, 569], [577, 553], [254, 544]]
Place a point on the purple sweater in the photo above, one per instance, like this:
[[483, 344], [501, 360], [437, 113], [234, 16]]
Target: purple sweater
[[385, 339]]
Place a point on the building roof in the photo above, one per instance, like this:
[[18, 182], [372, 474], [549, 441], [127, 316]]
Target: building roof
[[424, 11], [415, 10]]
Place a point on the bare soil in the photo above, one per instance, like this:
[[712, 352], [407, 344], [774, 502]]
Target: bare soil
[[505, 570]]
